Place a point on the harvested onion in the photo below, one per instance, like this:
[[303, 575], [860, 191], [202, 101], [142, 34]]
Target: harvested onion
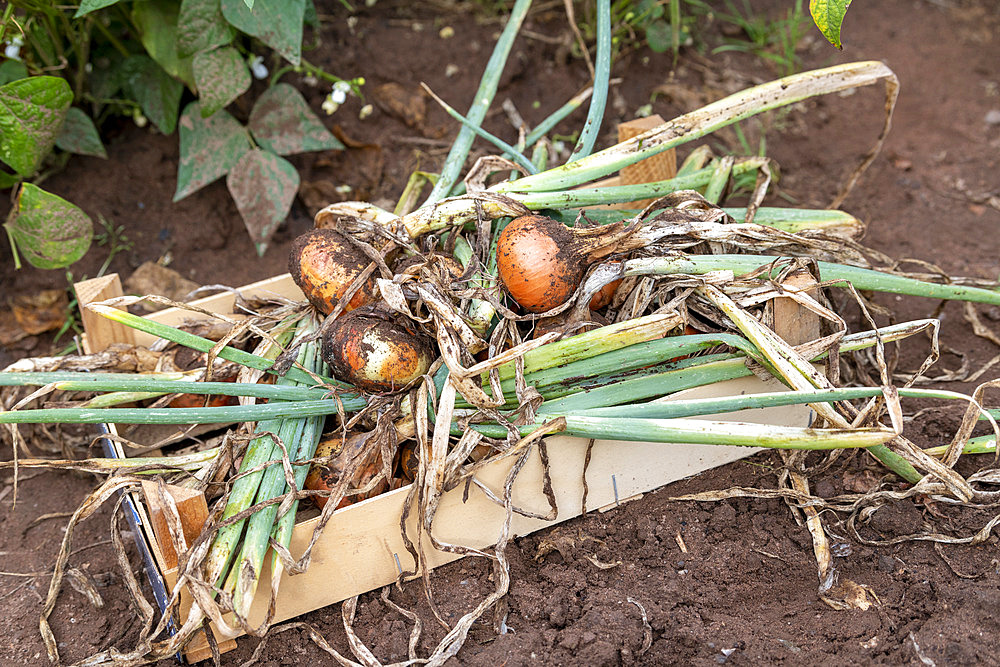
[[324, 264], [541, 261], [342, 452], [375, 352]]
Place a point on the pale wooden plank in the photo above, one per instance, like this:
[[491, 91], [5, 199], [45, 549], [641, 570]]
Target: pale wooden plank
[[357, 551], [659, 167], [100, 332], [192, 509], [224, 302], [793, 322]]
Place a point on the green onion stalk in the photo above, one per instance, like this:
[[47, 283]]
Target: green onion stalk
[[261, 450], [861, 279], [301, 445]]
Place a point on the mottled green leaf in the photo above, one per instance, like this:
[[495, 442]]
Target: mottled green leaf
[[31, 112], [157, 23], [12, 70], [201, 27], [78, 135], [282, 122], [105, 77], [277, 24], [8, 180], [829, 17], [263, 186], [158, 93], [87, 6], [47, 230], [659, 36], [209, 148], [222, 76]]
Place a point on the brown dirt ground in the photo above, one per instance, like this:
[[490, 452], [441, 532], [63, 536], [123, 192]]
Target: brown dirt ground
[[745, 592]]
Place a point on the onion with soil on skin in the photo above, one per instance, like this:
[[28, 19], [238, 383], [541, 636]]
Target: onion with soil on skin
[[324, 264], [342, 452], [376, 352], [541, 261]]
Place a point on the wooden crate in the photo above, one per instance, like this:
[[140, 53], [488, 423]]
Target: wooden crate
[[361, 548]]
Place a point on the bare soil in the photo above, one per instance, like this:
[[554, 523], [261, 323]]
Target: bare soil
[[728, 582]]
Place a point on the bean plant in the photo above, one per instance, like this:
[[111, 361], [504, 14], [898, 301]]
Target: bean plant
[[175, 65]]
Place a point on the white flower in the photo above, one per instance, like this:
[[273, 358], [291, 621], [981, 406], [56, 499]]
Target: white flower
[[337, 96], [329, 105], [257, 67], [366, 111], [12, 50]]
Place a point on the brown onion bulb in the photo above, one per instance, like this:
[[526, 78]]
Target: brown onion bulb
[[541, 261], [324, 264], [604, 295], [343, 451], [375, 353]]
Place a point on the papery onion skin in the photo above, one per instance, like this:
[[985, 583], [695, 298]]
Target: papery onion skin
[[536, 263], [375, 354], [326, 477], [324, 265], [605, 295]]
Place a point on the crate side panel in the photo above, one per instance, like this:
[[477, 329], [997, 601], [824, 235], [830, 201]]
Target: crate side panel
[[358, 550]]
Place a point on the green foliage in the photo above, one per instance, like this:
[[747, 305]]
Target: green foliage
[[78, 135], [221, 77], [828, 15], [771, 39], [277, 24], [282, 122], [31, 112], [262, 184], [48, 230], [140, 59], [209, 148]]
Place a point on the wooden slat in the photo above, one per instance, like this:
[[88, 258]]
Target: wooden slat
[[659, 167], [278, 286], [192, 509], [793, 322], [359, 548], [100, 332]]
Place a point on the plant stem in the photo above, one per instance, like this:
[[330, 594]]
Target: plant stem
[[481, 103], [602, 75]]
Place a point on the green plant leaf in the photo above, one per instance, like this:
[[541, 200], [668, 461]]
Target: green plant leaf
[[222, 76], [158, 93], [201, 27], [47, 230], [157, 23], [12, 70], [78, 135], [277, 24], [282, 122], [829, 17], [209, 148], [659, 37], [31, 112], [263, 186], [8, 180], [87, 6], [105, 77]]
